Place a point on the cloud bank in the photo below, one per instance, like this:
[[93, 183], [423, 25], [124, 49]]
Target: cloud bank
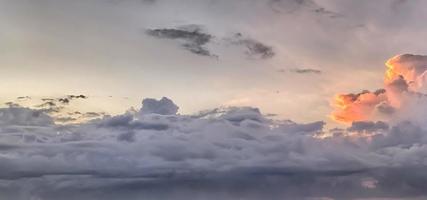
[[226, 153]]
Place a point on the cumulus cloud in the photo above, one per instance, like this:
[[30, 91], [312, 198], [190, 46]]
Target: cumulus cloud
[[224, 152], [357, 107], [404, 93], [23, 116], [163, 106]]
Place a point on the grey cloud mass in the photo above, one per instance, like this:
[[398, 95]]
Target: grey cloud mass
[[368, 126], [225, 153]]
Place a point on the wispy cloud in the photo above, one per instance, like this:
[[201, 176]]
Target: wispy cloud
[[194, 40]]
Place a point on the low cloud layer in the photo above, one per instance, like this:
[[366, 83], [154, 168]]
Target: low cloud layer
[[60, 109], [226, 153]]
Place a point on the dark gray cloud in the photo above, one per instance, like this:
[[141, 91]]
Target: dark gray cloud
[[194, 40], [12, 104], [253, 48], [69, 98], [306, 71], [328, 13], [23, 98], [292, 6], [368, 126], [256, 48], [92, 114]]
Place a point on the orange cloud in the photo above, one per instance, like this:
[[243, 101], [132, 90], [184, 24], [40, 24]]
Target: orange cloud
[[405, 75], [356, 107]]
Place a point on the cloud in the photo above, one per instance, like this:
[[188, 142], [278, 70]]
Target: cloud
[[358, 107], [404, 92], [324, 11], [67, 99], [24, 117], [12, 104], [410, 68], [91, 114], [163, 106], [368, 126], [65, 119], [306, 71], [194, 40], [254, 48], [224, 152], [292, 6], [22, 98]]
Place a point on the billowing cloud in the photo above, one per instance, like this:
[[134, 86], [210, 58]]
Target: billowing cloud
[[224, 152], [404, 89], [357, 107], [411, 68], [24, 117], [163, 106]]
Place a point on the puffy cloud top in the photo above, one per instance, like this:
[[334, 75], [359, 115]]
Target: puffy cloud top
[[165, 155], [404, 92], [163, 106], [24, 116], [410, 67]]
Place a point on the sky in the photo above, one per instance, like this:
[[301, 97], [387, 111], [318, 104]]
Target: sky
[[213, 99], [103, 49]]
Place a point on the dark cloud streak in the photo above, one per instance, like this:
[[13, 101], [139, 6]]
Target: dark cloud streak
[[194, 40]]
